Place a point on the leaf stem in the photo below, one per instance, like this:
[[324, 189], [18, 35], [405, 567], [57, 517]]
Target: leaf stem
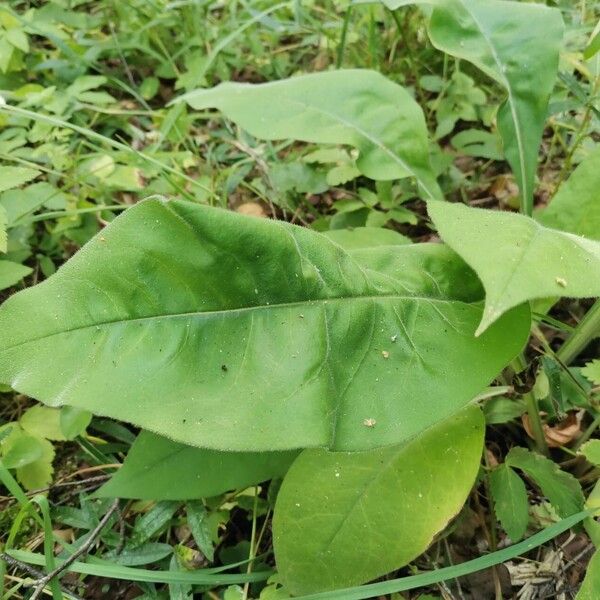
[[533, 413], [587, 329], [342, 46]]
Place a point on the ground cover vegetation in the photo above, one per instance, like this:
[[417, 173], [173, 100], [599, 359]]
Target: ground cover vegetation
[[299, 299]]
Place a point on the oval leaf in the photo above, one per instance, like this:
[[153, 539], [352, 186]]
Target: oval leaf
[[516, 258], [342, 519], [157, 468], [510, 501], [237, 333], [357, 107]]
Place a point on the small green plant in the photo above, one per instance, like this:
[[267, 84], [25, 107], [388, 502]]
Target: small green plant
[[351, 364]]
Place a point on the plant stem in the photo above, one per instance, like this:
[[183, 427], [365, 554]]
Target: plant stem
[[535, 422], [587, 329], [587, 434], [253, 545], [83, 549], [342, 46]]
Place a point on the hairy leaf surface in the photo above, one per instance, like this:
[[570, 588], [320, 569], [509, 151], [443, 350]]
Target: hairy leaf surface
[[237, 333], [357, 107], [517, 44], [157, 468], [342, 519], [516, 258]]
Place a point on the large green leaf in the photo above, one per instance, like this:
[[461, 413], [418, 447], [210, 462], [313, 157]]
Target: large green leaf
[[517, 44], [510, 501], [516, 258], [237, 333], [342, 519], [157, 468], [576, 206], [360, 108]]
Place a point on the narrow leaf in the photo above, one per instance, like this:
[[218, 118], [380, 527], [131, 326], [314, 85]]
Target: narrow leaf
[[517, 44], [345, 518], [237, 333], [561, 488], [157, 468], [359, 108], [516, 258], [510, 501], [197, 517]]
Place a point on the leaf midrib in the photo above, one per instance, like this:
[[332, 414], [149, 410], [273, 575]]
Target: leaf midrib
[[239, 310], [511, 99]]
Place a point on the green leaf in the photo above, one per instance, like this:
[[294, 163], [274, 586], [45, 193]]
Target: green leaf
[[477, 142], [20, 449], [345, 518], [145, 554], [157, 468], [74, 421], [360, 108], [516, 258], [516, 44], [510, 501], [502, 410], [197, 518], [561, 488], [366, 237], [255, 334], [591, 371], [43, 422], [38, 474], [12, 177], [591, 451], [11, 273], [575, 207], [591, 584], [3, 223]]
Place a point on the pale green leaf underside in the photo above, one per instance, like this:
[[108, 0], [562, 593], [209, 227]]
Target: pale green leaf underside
[[516, 258], [343, 519], [357, 107], [157, 468], [236, 333], [511, 504], [517, 44], [576, 206]]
